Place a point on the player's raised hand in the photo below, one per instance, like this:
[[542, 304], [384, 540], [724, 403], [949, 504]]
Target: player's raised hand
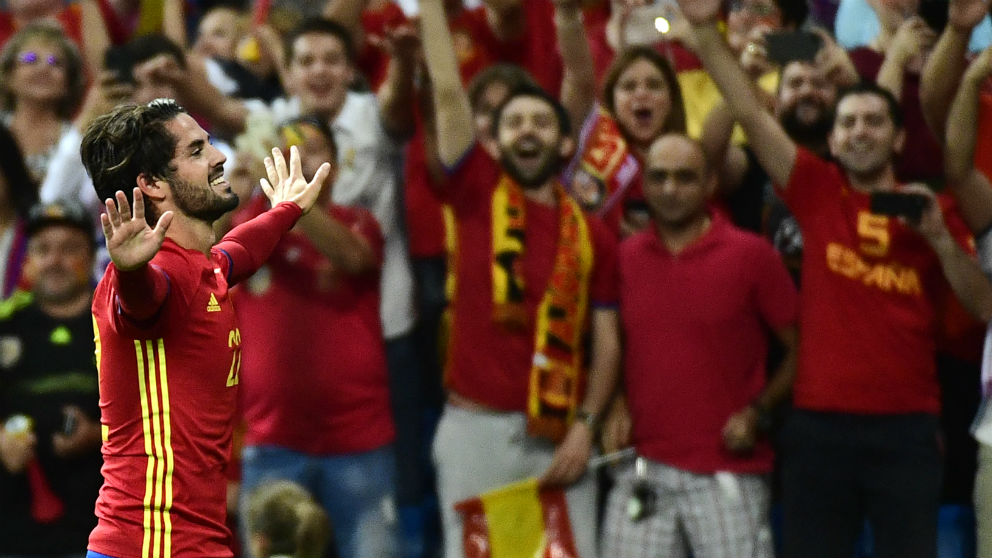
[[288, 183], [131, 242]]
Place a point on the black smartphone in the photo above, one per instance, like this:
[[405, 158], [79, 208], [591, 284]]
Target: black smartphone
[[899, 204], [117, 59], [785, 46]]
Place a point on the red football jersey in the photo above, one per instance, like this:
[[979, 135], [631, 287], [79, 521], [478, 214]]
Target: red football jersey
[[168, 395]]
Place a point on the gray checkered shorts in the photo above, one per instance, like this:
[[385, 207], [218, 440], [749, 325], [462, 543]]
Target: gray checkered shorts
[[716, 515]]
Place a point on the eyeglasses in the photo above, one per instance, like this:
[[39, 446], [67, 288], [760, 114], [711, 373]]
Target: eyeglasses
[[755, 8], [30, 58]]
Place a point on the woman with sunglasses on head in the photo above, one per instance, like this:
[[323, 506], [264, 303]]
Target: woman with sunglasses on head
[[41, 84]]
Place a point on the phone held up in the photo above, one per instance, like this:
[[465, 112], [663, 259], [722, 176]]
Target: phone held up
[[787, 46], [899, 204]]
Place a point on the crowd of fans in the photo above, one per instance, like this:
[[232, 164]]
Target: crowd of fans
[[552, 228]]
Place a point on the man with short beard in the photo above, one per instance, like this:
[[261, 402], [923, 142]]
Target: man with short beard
[[530, 274], [862, 441], [167, 338]]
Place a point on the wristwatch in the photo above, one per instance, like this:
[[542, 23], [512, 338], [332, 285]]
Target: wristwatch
[[590, 419]]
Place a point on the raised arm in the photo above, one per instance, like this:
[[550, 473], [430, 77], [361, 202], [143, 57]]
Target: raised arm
[[911, 40], [396, 94], [967, 183], [578, 87], [349, 14], [195, 92], [774, 149], [96, 40], [174, 22], [452, 112], [943, 68]]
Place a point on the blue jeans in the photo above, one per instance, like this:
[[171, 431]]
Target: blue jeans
[[356, 490]]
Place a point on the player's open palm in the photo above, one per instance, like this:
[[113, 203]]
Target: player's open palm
[[287, 183], [131, 242]]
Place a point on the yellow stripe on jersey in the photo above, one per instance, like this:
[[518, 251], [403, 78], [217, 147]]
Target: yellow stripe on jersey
[[169, 461], [104, 429], [157, 445], [147, 431], [157, 429]]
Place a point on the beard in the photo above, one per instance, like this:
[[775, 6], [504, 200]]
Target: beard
[[547, 168], [812, 135], [202, 204]]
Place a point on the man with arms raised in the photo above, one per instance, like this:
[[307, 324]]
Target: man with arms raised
[[168, 342], [530, 270], [862, 441]]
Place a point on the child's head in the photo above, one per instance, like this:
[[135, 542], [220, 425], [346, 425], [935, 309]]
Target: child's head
[[283, 519]]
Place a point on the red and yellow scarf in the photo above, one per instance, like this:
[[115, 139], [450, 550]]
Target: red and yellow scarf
[[600, 177], [556, 381]]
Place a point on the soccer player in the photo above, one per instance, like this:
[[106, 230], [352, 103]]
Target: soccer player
[[167, 341]]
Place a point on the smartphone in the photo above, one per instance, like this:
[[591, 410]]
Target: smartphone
[[787, 46], [899, 204], [648, 24], [934, 13]]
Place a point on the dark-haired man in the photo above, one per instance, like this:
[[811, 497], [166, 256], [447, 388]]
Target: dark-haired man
[[168, 342], [862, 441], [531, 272]]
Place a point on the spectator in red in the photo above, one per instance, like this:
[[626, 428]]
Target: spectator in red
[[317, 408]]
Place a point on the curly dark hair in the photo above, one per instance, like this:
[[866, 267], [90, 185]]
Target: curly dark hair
[[129, 141]]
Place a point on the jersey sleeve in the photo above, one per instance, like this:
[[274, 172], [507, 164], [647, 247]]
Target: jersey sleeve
[[813, 183], [250, 244]]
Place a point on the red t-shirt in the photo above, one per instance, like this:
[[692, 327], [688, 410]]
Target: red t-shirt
[[476, 48], [695, 329], [872, 294], [168, 392], [314, 376], [487, 363]]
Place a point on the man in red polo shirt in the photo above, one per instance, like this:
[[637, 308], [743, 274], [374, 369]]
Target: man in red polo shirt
[[697, 300]]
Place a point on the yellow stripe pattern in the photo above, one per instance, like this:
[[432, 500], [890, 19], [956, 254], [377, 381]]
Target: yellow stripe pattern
[[156, 425]]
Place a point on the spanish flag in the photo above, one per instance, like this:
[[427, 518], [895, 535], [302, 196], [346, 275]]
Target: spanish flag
[[518, 520]]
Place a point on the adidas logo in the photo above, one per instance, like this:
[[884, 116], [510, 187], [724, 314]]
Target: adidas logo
[[212, 305]]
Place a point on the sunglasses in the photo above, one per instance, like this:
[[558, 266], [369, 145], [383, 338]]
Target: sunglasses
[[31, 57]]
